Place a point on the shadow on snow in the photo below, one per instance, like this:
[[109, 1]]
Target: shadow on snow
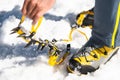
[[8, 51]]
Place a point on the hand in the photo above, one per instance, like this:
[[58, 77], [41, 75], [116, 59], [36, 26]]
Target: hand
[[34, 9]]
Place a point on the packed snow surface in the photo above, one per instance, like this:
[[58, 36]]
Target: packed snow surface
[[19, 63]]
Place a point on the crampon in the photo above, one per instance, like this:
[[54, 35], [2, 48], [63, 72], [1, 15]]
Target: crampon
[[56, 55]]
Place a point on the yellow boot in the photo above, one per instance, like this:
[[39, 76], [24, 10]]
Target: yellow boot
[[89, 58]]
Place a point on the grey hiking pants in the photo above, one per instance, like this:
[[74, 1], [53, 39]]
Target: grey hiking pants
[[106, 30]]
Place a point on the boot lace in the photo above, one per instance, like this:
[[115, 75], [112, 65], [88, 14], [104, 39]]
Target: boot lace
[[87, 51]]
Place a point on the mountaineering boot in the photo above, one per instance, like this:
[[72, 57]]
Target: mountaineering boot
[[90, 57], [85, 19]]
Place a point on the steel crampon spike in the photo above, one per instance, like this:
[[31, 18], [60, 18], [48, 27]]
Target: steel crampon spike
[[39, 46], [32, 41], [44, 44], [15, 30], [30, 36], [40, 42]]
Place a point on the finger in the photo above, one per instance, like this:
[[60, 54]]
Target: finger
[[24, 8], [37, 17], [30, 7], [34, 12], [36, 9]]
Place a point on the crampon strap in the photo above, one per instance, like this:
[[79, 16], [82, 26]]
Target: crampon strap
[[55, 56]]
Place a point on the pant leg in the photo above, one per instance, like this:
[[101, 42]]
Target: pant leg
[[106, 30]]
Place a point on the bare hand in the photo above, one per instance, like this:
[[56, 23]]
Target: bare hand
[[34, 9]]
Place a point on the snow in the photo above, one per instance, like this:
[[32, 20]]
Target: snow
[[19, 63]]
